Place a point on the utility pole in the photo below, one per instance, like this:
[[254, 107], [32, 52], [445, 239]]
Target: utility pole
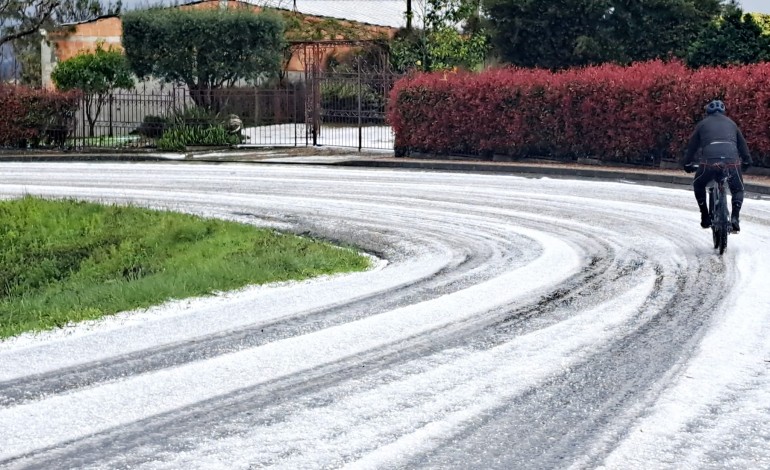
[[409, 15]]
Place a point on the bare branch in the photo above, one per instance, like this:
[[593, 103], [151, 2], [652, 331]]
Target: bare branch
[[19, 18]]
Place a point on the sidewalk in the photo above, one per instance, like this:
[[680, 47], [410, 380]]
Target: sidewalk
[[335, 156], [759, 184]]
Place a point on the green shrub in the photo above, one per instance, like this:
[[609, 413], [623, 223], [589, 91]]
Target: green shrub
[[178, 138], [343, 96], [96, 75], [152, 127], [194, 116], [34, 117]]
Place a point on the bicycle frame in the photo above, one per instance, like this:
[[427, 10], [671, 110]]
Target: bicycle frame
[[719, 212]]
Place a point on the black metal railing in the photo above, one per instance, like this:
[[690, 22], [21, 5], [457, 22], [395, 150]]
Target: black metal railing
[[343, 110]]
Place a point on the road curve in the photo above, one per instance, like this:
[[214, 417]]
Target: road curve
[[510, 323]]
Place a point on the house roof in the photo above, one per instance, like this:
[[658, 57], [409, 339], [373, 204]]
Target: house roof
[[375, 12], [390, 13]]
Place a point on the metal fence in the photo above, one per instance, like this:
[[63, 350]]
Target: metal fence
[[332, 110], [126, 119], [350, 111]]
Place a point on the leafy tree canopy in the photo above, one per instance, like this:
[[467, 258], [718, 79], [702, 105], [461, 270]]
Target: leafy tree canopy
[[96, 75], [100, 72], [452, 37], [562, 33], [76, 11], [204, 49], [733, 39]]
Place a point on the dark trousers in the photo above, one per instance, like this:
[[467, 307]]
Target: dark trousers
[[708, 173]]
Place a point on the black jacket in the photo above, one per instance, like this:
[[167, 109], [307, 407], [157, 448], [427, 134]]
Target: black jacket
[[719, 138]]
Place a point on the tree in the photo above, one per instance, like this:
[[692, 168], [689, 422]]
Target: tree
[[78, 11], [96, 75], [733, 39], [203, 49], [27, 48], [546, 33], [561, 33], [654, 29], [452, 37], [20, 18]]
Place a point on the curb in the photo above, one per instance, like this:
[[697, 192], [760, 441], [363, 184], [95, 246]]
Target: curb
[[657, 178], [85, 157], [456, 166]]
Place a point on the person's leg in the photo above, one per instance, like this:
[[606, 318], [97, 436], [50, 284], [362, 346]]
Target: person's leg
[[702, 178], [735, 182]]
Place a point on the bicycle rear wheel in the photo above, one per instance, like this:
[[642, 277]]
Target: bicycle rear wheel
[[714, 222], [722, 240], [724, 222]]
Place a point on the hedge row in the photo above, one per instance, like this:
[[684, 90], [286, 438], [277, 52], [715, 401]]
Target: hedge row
[[32, 117], [638, 114]]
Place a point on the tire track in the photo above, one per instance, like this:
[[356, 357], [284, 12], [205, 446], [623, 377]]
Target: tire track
[[569, 412], [173, 431]]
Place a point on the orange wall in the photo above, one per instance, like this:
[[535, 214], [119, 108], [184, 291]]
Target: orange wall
[[85, 37]]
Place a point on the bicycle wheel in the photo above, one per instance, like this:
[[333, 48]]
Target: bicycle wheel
[[724, 222], [722, 240], [712, 215]]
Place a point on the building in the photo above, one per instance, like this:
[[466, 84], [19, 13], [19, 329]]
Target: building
[[386, 16]]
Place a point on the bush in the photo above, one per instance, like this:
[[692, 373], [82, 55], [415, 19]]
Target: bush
[[195, 126], [34, 117], [193, 116], [342, 95], [152, 127], [96, 75], [209, 48], [178, 138], [639, 114]]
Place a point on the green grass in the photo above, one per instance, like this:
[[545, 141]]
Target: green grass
[[69, 261]]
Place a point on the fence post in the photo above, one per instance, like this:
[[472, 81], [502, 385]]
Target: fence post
[[316, 101], [256, 106], [111, 100], [360, 131], [296, 113], [85, 120]]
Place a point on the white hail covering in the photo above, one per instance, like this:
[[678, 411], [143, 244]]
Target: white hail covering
[[529, 237]]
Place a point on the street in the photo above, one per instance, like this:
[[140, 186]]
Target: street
[[507, 322]]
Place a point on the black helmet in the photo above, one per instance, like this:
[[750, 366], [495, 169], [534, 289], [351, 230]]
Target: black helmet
[[715, 106]]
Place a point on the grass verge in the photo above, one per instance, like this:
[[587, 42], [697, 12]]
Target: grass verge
[[68, 261]]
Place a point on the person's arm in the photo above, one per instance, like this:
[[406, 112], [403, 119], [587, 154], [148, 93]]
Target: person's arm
[[743, 149], [692, 146]]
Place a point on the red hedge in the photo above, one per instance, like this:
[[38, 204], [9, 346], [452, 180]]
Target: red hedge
[[638, 114], [34, 116]]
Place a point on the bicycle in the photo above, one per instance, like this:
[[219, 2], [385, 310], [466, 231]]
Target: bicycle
[[719, 213]]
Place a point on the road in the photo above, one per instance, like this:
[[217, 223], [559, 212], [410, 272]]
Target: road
[[509, 322]]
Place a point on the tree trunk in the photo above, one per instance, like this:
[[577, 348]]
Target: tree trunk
[[201, 95]]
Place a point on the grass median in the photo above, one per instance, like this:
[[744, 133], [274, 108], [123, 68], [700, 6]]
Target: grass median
[[65, 261]]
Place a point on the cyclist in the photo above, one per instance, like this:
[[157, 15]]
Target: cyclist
[[720, 140]]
